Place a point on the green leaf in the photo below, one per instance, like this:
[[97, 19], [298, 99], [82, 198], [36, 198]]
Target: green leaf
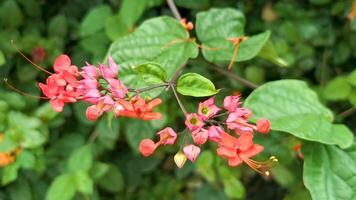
[[10, 14], [216, 26], [9, 174], [294, 108], [131, 11], [115, 27], [108, 134], [269, 53], [137, 130], [162, 40], [58, 26], [351, 78], [112, 181], [84, 183], [352, 97], [93, 21], [337, 89], [62, 188], [2, 58], [192, 84], [234, 188], [98, 170], [205, 165], [329, 172], [81, 159], [145, 75]]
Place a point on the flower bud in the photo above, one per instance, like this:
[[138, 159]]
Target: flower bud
[[147, 147], [180, 159], [92, 113], [263, 126], [191, 152]]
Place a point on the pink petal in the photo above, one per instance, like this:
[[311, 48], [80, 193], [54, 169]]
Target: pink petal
[[61, 63], [191, 152], [57, 105]]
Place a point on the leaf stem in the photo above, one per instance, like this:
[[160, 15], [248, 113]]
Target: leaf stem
[[245, 82], [348, 112], [177, 98], [172, 6], [151, 87]]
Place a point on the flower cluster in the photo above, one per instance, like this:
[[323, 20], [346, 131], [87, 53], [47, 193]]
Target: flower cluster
[[97, 85], [233, 134]]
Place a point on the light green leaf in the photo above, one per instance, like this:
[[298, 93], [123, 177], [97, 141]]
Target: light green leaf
[[329, 172], [115, 27], [81, 159], [162, 40], [351, 78], [192, 84], [337, 89], [234, 188], [205, 165], [84, 183], [94, 20], [2, 58], [62, 188], [294, 108], [9, 174], [352, 97], [214, 29], [269, 53], [131, 11]]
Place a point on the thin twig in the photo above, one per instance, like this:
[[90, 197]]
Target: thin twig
[[177, 98], [245, 82], [173, 8], [177, 73], [347, 112]]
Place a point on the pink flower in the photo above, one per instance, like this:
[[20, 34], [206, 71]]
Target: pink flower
[[200, 136], [191, 152], [263, 125], [111, 71], [231, 103], [238, 121], [208, 109], [193, 121], [214, 133], [90, 71], [147, 147], [167, 136], [94, 111], [117, 89]]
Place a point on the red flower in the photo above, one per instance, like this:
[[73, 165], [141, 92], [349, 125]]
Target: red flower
[[137, 107], [61, 87], [147, 147], [239, 150]]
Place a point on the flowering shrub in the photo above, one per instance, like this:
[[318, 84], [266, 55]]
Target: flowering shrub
[[131, 100]]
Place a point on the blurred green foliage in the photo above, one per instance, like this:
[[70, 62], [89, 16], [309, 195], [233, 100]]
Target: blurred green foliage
[[68, 157]]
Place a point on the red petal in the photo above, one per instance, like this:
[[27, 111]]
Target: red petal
[[233, 162], [226, 152], [151, 116], [57, 105], [61, 63], [153, 103], [253, 150], [245, 141], [228, 140]]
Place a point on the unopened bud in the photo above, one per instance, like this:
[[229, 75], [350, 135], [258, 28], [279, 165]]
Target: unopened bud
[[180, 159]]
